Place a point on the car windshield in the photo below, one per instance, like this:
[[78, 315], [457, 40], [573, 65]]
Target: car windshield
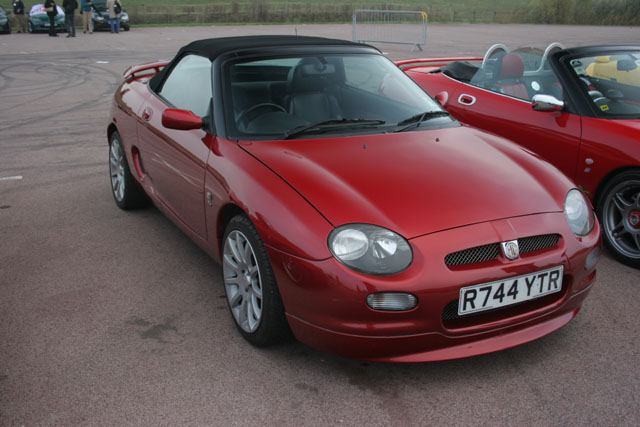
[[316, 95], [100, 5], [612, 83]]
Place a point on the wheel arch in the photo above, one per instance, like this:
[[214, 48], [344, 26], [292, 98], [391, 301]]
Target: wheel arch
[[227, 212], [110, 130], [608, 178]]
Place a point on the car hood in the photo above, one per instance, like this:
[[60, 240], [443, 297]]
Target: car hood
[[416, 183]]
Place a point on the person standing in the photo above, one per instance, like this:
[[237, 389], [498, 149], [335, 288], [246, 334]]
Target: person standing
[[52, 10], [115, 9], [87, 15], [18, 11], [70, 7]]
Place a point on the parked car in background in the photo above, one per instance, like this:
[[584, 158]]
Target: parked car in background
[[5, 25], [39, 20], [345, 205], [101, 17], [578, 108]]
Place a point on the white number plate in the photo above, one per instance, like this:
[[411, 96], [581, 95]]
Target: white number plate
[[487, 296]]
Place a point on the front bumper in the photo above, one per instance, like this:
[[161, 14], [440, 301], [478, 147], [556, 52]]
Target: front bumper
[[326, 302]]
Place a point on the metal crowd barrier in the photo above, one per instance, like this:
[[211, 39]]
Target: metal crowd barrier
[[390, 26]]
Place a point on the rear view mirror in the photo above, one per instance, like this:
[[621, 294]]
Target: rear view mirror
[[173, 118], [546, 103]]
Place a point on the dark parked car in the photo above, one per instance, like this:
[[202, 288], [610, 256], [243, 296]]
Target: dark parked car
[[101, 17], [39, 21], [5, 25]]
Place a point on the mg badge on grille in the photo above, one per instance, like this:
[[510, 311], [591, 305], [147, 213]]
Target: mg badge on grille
[[510, 249]]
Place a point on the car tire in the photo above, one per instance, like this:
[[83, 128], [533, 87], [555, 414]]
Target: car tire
[[124, 187], [618, 209], [250, 286], [126, 28], [30, 27]]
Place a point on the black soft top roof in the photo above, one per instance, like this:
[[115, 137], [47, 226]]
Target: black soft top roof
[[213, 48]]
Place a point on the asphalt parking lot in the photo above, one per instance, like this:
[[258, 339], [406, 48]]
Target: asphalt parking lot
[[116, 318]]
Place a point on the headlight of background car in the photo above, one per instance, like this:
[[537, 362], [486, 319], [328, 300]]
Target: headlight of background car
[[579, 214], [370, 249]]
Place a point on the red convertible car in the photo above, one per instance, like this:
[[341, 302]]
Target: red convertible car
[[578, 108], [346, 206]]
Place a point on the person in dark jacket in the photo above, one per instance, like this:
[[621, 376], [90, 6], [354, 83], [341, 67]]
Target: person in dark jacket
[[52, 16], [18, 11], [70, 7]]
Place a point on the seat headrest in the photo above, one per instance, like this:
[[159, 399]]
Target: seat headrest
[[311, 75], [510, 66]]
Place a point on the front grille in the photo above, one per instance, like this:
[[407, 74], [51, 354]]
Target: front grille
[[473, 255], [536, 243], [492, 251]]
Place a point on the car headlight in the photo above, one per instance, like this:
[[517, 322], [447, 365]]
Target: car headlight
[[370, 249], [578, 212]]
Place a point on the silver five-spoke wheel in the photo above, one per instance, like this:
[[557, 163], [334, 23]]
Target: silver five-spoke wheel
[[242, 281]]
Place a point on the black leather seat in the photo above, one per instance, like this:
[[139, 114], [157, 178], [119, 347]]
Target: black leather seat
[[312, 91]]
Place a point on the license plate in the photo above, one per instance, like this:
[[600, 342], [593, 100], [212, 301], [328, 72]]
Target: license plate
[[501, 293]]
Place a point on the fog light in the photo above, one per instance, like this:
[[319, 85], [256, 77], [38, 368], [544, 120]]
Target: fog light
[[592, 258], [392, 301]]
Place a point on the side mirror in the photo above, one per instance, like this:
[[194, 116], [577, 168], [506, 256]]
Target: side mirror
[[543, 102], [173, 118], [442, 98]]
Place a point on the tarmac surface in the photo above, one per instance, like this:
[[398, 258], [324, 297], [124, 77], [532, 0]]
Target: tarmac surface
[[116, 318]]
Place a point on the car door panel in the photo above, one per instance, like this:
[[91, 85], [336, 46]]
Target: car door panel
[[552, 135], [174, 161]]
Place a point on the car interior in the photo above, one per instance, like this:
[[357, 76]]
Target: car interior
[[272, 97], [521, 74]]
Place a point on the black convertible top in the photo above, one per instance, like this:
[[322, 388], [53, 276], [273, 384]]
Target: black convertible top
[[213, 48]]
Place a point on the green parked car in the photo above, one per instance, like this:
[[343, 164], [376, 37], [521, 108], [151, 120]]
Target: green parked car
[[101, 17], [39, 21], [5, 26]]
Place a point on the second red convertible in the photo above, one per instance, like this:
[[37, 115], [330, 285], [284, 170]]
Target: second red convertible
[[346, 206], [578, 108]]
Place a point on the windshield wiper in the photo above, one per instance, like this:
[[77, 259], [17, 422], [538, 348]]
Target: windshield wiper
[[414, 121], [327, 125]]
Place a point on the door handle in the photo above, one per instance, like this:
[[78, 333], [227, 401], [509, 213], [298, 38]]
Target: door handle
[[147, 113], [466, 99]]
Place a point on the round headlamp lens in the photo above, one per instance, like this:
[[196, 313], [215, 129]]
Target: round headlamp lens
[[579, 214], [370, 249], [350, 244]]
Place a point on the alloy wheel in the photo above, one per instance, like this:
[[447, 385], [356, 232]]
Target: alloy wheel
[[621, 218], [116, 167], [242, 281]]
